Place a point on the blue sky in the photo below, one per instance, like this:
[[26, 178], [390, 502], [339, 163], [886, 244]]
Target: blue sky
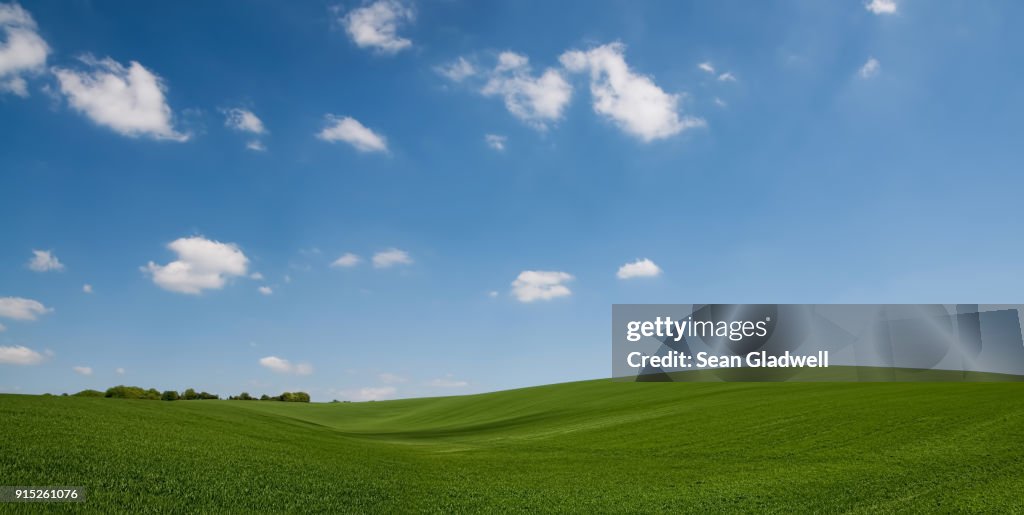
[[503, 162]]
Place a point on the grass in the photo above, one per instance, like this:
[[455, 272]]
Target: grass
[[594, 446]]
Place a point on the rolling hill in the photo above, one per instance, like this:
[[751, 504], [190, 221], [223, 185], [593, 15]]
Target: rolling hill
[[585, 446]]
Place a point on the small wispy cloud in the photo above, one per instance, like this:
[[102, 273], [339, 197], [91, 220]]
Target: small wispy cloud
[[391, 257], [870, 68], [495, 141], [639, 268], [283, 366], [881, 7], [347, 260], [348, 130]]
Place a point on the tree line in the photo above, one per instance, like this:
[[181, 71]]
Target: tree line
[[137, 392], [285, 397]]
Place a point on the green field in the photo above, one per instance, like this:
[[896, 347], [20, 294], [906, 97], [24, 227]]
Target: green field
[[593, 446]]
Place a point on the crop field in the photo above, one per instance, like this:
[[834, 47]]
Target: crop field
[[593, 446]]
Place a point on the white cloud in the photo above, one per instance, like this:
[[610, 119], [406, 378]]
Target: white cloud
[[458, 70], [86, 288], [370, 393], [720, 103], [389, 378], [633, 102], [870, 68], [639, 268], [243, 120], [283, 366], [22, 51], [533, 285], [265, 290], [130, 100], [119, 371], [202, 264], [85, 371], [881, 7], [495, 141], [538, 101], [727, 77], [19, 355], [706, 66], [2, 328], [350, 131], [376, 26], [347, 260], [391, 257], [492, 294], [18, 308], [255, 145], [44, 261], [256, 276], [447, 382]]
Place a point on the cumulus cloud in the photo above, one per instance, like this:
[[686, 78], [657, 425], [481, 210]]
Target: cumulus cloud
[[129, 100], [44, 261], [265, 290], [349, 130], [447, 382], [458, 70], [86, 288], [18, 308], [639, 268], [495, 141], [19, 355], [533, 285], [881, 7], [22, 50], [376, 25], [85, 371], [536, 100], [283, 366], [727, 77], [706, 66], [202, 264], [633, 102], [870, 68], [347, 260], [391, 257]]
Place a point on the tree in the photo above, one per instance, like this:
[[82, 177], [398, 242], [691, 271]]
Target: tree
[[89, 393], [169, 395], [189, 395], [264, 397], [128, 392]]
